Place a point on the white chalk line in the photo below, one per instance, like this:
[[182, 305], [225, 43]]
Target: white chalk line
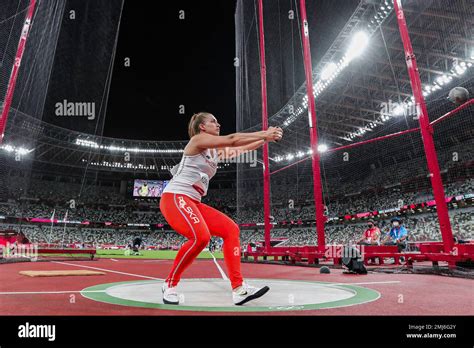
[[108, 270], [47, 292]]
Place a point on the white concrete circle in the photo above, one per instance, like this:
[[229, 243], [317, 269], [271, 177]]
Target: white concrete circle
[[217, 293]]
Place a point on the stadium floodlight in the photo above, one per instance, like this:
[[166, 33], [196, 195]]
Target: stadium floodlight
[[23, 151], [121, 165], [331, 70], [399, 110], [8, 148], [322, 148], [113, 148], [17, 150], [328, 71], [87, 143], [440, 80], [358, 45], [446, 78], [459, 69]]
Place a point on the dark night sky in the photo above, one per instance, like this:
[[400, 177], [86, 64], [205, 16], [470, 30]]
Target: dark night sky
[[173, 62], [185, 62]]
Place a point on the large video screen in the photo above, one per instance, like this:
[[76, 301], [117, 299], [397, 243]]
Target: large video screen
[[149, 188]]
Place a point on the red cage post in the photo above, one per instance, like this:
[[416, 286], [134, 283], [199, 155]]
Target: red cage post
[[266, 167], [313, 128], [16, 68], [426, 132]]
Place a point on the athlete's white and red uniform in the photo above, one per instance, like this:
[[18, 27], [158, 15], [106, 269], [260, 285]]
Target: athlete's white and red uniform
[[182, 208]]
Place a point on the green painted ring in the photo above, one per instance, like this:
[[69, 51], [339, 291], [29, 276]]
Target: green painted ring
[[361, 295]]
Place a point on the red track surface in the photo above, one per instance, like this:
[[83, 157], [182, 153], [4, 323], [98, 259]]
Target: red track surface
[[422, 294]]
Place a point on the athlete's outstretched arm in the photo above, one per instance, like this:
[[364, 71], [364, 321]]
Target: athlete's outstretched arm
[[231, 152], [208, 141]]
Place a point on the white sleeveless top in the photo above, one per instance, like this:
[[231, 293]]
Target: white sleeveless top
[[191, 176]]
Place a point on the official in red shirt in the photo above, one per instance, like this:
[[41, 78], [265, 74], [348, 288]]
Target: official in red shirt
[[371, 235]]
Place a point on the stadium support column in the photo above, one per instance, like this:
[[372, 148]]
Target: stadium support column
[[16, 68], [426, 132], [313, 128], [266, 167]]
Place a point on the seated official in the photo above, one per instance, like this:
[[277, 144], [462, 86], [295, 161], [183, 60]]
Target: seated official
[[371, 235], [398, 235]]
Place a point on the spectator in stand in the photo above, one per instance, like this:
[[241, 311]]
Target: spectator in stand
[[211, 246]]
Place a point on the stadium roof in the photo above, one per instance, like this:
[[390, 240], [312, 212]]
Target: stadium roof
[[348, 103]]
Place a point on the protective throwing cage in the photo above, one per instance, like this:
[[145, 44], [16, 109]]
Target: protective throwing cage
[[378, 136], [53, 53]]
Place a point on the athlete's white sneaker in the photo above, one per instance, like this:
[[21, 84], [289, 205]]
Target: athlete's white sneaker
[[246, 293], [170, 296]]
